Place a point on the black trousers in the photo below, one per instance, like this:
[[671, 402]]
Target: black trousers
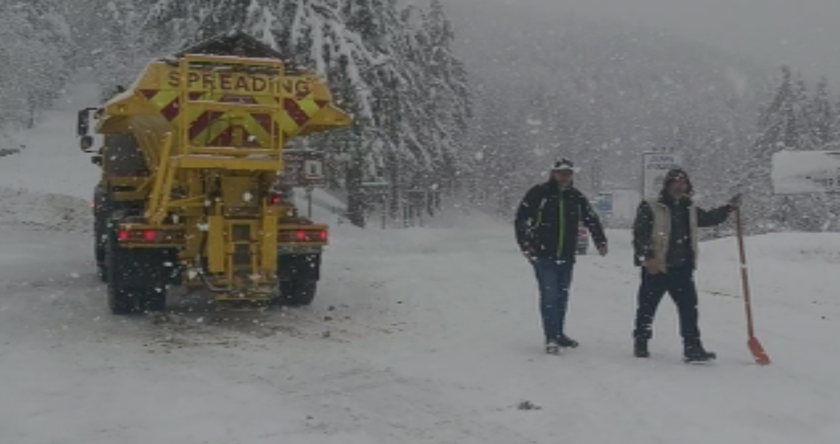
[[679, 283]]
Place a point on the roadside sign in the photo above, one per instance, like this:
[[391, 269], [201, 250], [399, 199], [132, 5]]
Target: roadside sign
[[655, 167], [314, 169], [604, 204], [303, 167], [806, 172]]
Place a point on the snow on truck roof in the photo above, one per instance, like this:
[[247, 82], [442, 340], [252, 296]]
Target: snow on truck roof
[[229, 43], [247, 46]]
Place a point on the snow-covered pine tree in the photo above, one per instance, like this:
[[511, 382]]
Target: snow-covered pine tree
[[822, 115], [787, 124], [777, 131], [804, 135], [118, 46], [781, 124], [36, 42], [398, 125], [316, 34], [386, 55], [449, 96], [180, 22], [835, 124]]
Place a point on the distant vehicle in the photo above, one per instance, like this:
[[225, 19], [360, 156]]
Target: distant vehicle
[[583, 241]]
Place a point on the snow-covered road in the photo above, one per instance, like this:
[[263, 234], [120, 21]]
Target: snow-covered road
[[417, 336], [423, 336]]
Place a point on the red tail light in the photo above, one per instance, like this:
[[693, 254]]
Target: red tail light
[[301, 236], [146, 236], [323, 235], [275, 198]]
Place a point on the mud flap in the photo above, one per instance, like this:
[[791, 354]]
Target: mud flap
[[299, 267], [143, 267]]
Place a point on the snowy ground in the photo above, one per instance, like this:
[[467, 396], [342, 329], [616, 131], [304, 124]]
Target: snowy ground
[[417, 336]]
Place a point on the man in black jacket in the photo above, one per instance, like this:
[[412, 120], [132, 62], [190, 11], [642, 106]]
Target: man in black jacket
[[547, 224], [665, 240]]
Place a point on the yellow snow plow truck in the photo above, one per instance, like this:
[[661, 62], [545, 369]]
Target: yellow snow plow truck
[[196, 186]]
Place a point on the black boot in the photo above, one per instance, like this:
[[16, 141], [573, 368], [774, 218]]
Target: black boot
[[640, 348], [694, 352], [565, 341]]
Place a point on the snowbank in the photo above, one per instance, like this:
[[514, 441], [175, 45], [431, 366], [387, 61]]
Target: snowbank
[[54, 212], [806, 172], [48, 184], [9, 144]]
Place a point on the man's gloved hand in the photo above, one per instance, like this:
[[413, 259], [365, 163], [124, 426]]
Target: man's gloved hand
[[529, 253]]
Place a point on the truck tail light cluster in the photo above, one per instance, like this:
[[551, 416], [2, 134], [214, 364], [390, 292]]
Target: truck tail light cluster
[[147, 236], [276, 198], [304, 236]]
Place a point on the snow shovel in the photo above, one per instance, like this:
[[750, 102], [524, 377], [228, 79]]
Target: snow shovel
[[755, 346]]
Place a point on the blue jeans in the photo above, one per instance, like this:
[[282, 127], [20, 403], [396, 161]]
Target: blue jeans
[[554, 277]]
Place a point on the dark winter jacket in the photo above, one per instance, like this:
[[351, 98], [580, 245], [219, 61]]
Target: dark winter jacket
[[668, 230], [548, 220]]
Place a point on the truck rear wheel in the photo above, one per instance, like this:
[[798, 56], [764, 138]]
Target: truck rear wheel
[[152, 299], [297, 293], [120, 300], [101, 268]]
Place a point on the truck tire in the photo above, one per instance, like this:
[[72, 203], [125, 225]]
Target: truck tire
[[121, 300], [101, 267], [100, 230], [297, 293], [152, 299], [298, 276]]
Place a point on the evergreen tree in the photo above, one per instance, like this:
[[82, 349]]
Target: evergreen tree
[[835, 125], [777, 131], [822, 115], [388, 58], [793, 121], [36, 42], [180, 22], [449, 98], [803, 132], [119, 47], [784, 124]]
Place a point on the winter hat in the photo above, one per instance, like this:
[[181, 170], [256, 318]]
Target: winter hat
[[565, 165], [674, 175]]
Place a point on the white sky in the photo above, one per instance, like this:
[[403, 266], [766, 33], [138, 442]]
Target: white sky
[[803, 33]]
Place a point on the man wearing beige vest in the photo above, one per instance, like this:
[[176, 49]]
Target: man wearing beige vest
[[665, 240]]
